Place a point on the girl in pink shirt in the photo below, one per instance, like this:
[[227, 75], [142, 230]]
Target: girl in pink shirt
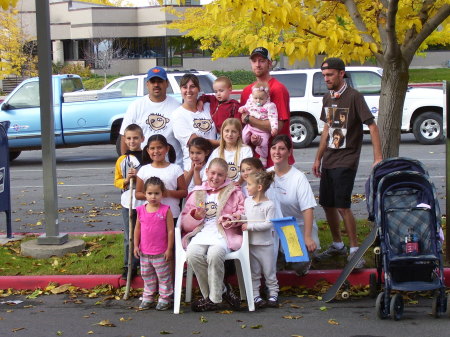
[[153, 244]]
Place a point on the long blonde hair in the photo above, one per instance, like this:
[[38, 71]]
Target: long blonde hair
[[236, 123]]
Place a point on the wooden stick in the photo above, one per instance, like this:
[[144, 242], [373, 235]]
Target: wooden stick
[[249, 220], [130, 242]]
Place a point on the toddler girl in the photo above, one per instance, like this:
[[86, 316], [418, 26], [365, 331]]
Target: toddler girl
[[154, 155], [259, 208], [231, 148], [259, 106], [199, 151], [206, 239], [249, 166], [153, 244]]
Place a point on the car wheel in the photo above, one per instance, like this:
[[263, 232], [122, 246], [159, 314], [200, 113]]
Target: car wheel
[[428, 127], [119, 137], [302, 132], [14, 154]]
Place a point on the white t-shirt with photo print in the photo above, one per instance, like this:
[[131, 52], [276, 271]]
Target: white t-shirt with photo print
[[187, 123]]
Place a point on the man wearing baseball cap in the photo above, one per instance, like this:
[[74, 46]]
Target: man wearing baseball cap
[[153, 113], [336, 166], [261, 65]]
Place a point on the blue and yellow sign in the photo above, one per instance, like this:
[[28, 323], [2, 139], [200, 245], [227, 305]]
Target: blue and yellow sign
[[291, 239]]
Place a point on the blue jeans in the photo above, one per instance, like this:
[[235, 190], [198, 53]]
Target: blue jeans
[[126, 241]]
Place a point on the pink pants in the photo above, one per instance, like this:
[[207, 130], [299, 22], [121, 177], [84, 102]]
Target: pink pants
[[263, 148], [155, 270]]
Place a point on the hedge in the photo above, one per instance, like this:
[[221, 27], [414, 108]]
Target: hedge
[[237, 76]]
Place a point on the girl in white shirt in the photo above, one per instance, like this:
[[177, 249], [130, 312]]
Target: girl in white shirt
[[199, 152], [232, 149], [154, 155]]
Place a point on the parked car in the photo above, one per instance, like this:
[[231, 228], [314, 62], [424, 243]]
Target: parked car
[[422, 111], [81, 117], [135, 85]]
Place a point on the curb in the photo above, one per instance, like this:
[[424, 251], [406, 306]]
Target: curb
[[285, 279]]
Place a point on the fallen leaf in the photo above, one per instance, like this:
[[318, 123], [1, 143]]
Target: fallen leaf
[[123, 319], [203, 319], [292, 317], [333, 322], [35, 294], [296, 336], [323, 308], [61, 289], [196, 332], [59, 333], [90, 332], [106, 322], [319, 298], [225, 312], [28, 306], [295, 306], [259, 326], [17, 329], [243, 326], [164, 332]]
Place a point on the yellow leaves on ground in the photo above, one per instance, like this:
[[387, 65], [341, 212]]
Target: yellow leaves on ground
[[106, 322], [333, 321]]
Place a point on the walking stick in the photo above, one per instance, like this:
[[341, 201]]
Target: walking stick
[[130, 242]]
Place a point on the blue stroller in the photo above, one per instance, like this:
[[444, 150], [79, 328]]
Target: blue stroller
[[401, 199]]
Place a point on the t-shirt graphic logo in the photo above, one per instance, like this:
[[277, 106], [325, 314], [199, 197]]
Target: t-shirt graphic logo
[[203, 124], [233, 170], [211, 209], [337, 120], [157, 122]]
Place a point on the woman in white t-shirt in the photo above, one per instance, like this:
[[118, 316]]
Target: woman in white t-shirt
[[232, 149], [188, 121], [293, 196], [154, 154]]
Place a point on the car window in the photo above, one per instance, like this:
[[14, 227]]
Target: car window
[[295, 83], [26, 97], [71, 84], [366, 82], [128, 87], [206, 82], [319, 86]]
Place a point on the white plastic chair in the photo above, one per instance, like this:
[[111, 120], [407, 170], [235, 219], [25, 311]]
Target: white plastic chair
[[242, 261]]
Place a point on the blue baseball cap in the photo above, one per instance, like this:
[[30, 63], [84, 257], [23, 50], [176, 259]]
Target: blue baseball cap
[[157, 72]]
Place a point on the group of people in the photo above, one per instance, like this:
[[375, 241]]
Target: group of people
[[230, 165]]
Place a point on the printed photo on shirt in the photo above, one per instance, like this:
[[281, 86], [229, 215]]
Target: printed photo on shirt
[[157, 122], [211, 210], [203, 124], [337, 139]]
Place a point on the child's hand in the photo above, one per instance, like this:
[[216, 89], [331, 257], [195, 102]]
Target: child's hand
[[198, 167], [199, 105], [200, 213], [256, 139], [274, 132], [236, 216], [137, 252], [244, 226], [168, 254], [242, 109]]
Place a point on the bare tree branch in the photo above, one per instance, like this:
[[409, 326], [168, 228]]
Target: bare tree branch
[[392, 47]]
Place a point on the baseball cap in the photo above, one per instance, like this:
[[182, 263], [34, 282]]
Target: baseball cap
[[157, 72], [333, 63], [260, 51]]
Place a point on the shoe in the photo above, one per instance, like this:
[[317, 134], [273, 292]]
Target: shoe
[[232, 299], [360, 264], [272, 302], [301, 268], [145, 305], [204, 304], [259, 303], [161, 306], [331, 252], [125, 273]]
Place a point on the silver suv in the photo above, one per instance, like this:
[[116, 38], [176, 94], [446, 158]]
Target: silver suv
[[422, 111], [134, 85]]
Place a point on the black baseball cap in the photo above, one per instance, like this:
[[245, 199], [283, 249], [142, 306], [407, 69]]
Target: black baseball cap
[[260, 51], [333, 63]]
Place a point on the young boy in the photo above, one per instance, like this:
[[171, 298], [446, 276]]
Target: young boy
[[221, 106], [126, 168]]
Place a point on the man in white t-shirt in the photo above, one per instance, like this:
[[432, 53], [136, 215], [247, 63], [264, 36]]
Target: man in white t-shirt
[[153, 113]]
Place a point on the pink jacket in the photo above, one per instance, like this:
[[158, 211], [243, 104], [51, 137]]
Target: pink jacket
[[230, 200]]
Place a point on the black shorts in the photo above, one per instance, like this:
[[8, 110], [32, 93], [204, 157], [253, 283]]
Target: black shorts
[[336, 186]]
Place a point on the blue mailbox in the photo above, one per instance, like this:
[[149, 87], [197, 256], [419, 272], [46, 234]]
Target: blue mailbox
[[5, 195]]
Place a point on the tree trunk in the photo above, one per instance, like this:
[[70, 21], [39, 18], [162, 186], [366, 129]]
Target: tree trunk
[[393, 90]]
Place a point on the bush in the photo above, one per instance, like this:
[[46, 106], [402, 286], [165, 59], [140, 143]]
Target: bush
[[237, 76], [76, 69]]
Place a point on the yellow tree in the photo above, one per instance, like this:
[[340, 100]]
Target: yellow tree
[[390, 31], [5, 4]]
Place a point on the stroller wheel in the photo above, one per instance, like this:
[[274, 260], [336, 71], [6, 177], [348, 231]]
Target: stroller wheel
[[373, 286], [380, 307], [396, 307], [436, 307]]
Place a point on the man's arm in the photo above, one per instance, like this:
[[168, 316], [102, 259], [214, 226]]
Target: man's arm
[[376, 143], [320, 151]]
